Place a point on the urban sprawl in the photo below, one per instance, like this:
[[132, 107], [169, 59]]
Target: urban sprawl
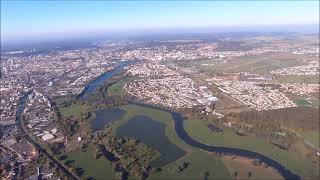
[[157, 79]]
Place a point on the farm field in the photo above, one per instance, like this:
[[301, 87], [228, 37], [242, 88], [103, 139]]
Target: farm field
[[259, 64], [308, 79]]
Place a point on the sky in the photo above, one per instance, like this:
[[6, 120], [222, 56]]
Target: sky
[[25, 19]]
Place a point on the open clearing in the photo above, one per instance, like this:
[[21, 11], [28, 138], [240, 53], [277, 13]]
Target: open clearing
[[308, 79], [96, 168], [258, 64], [74, 110], [242, 168]]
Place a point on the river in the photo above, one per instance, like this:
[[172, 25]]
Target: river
[[91, 86]]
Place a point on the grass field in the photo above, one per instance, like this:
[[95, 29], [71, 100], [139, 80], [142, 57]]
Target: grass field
[[307, 103], [313, 137], [294, 161], [241, 167], [200, 162], [308, 79], [97, 168], [303, 103], [116, 89], [74, 110], [259, 64]]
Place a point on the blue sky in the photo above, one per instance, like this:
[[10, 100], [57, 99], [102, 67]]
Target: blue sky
[[30, 19]]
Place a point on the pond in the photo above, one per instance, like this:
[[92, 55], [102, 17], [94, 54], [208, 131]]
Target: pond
[[103, 117], [151, 133]]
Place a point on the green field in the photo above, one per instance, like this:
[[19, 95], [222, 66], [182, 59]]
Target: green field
[[97, 168], [308, 79], [259, 64], [200, 162], [312, 137], [74, 110], [241, 167], [303, 103], [307, 103], [116, 89], [294, 161]]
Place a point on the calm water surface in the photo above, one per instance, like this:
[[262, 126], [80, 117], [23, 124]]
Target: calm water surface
[[152, 133], [103, 117]]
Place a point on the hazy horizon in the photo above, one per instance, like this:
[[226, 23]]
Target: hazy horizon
[[48, 20]]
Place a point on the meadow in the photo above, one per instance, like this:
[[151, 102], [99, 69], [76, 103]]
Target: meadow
[[88, 165], [308, 79], [74, 110]]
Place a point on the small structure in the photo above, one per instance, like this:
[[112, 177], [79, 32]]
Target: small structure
[[47, 136], [79, 138]]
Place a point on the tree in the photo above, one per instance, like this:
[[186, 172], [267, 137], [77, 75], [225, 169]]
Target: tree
[[235, 174], [205, 175]]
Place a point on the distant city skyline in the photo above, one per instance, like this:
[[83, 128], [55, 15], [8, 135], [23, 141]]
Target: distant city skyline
[[27, 20]]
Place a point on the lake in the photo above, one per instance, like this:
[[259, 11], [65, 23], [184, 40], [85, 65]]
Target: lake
[[151, 133], [103, 117]]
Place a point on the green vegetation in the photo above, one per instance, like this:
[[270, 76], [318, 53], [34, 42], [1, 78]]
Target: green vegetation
[[312, 137], [308, 79], [199, 163], [242, 168], [294, 161], [116, 89], [303, 103], [85, 163], [74, 109], [258, 64]]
